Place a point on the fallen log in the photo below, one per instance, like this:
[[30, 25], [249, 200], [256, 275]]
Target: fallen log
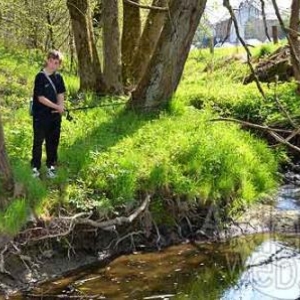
[[275, 67]]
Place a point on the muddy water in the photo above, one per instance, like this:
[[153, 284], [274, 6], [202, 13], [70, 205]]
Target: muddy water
[[260, 266], [252, 267]]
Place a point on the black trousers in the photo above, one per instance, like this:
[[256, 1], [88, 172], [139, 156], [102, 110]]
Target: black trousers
[[45, 129]]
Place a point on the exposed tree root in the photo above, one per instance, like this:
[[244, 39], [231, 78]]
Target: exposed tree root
[[62, 226], [2, 263]]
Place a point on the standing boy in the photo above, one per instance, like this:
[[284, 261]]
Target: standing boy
[[48, 105]]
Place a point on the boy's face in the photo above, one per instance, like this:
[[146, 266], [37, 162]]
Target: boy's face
[[53, 64]]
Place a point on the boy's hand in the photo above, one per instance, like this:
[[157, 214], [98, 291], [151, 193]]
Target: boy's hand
[[60, 109]]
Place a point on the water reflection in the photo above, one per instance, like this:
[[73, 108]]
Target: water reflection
[[253, 267], [272, 272], [288, 197]]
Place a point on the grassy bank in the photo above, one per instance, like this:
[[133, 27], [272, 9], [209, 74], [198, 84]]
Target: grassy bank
[[110, 157]]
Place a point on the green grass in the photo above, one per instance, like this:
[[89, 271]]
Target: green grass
[[216, 81], [111, 157]]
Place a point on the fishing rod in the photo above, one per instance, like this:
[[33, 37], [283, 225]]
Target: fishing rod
[[70, 118], [68, 110]]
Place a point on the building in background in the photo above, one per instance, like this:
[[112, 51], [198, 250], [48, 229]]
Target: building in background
[[250, 21]]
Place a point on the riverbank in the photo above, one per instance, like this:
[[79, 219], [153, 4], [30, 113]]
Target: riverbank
[[196, 174], [46, 261]]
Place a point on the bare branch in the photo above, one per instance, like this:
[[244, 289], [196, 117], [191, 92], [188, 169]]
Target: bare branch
[[293, 134], [283, 141], [226, 3], [264, 19], [160, 9], [252, 125], [271, 131]]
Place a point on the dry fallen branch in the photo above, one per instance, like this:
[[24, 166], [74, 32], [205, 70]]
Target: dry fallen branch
[[283, 141], [252, 125], [272, 131]]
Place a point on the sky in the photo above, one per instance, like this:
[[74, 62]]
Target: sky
[[216, 12]]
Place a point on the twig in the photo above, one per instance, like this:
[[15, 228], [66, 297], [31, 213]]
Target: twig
[[283, 141], [160, 9], [271, 131], [264, 19], [293, 134], [131, 234], [261, 127], [226, 3]]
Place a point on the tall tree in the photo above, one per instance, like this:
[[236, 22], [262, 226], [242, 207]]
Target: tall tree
[[6, 178], [130, 37], [111, 44], [292, 36], [88, 60], [164, 71], [149, 39], [294, 40]]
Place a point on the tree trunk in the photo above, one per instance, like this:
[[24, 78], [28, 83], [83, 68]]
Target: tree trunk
[[50, 40], [148, 40], [130, 38], [166, 66], [293, 33], [88, 60], [6, 177], [111, 45]]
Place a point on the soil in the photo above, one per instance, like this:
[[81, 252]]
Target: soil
[[47, 260]]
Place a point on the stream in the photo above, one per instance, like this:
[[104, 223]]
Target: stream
[[258, 266]]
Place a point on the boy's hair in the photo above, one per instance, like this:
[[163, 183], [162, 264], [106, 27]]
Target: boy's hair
[[55, 54]]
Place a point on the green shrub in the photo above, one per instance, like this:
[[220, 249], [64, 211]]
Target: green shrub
[[14, 217]]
